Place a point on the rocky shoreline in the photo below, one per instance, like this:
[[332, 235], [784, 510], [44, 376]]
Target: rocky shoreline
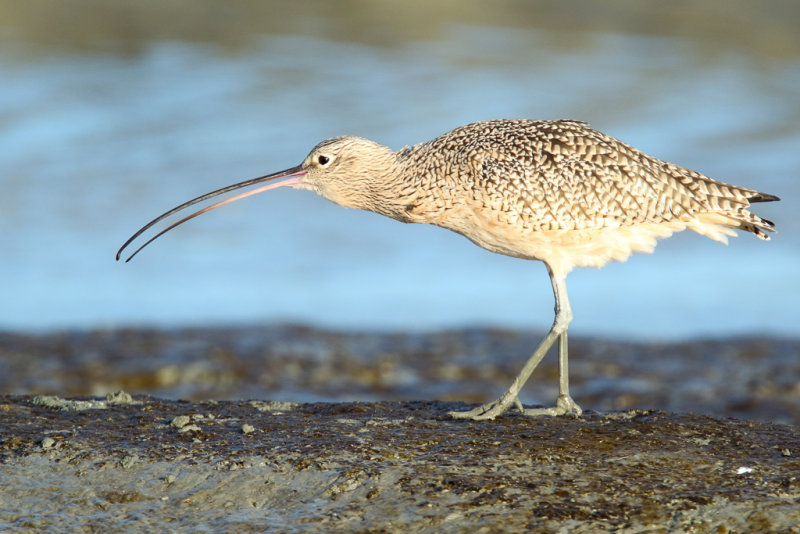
[[146, 464], [752, 378], [264, 456]]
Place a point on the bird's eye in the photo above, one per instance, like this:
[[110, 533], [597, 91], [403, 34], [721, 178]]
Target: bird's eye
[[323, 160]]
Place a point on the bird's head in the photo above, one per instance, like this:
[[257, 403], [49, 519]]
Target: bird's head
[[349, 171]]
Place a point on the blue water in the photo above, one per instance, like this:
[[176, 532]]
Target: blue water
[[94, 143]]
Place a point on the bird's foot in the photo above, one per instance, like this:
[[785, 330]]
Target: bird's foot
[[490, 410], [564, 406]]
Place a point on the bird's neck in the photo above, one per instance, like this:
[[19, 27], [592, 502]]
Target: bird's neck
[[395, 188]]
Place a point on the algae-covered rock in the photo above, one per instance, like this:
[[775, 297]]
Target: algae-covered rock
[[389, 466]]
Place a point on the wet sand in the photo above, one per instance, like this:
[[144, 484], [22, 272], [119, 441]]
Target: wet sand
[[72, 458]]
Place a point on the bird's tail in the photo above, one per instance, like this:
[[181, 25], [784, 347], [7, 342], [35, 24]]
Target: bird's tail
[[718, 225]]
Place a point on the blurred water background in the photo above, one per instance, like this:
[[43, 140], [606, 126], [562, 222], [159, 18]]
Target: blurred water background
[[112, 112]]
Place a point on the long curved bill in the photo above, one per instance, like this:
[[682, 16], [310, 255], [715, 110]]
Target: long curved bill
[[293, 177]]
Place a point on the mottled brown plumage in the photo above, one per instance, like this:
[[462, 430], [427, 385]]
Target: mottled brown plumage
[[555, 191]]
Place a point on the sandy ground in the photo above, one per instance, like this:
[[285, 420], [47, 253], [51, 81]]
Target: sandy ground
[[73, 460]]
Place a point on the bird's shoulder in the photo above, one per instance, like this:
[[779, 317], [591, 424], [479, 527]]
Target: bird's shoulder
[[540, 153], [565, 172]]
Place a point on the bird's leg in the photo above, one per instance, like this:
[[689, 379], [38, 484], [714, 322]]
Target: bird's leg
[[558, 331], [564, 405], [493, 409]]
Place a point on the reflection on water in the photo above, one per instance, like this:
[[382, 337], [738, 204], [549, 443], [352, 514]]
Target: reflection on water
[[131, 109]]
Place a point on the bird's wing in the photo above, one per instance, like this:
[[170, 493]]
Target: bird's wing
[[564, 175]]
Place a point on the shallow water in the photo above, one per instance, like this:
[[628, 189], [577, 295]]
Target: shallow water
[[131, 109]]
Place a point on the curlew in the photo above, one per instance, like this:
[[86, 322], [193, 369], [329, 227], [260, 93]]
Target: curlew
[[555, 191]]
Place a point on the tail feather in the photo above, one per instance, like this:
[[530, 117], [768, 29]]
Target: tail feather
[[717, 225], [762, 197], [758, 225]]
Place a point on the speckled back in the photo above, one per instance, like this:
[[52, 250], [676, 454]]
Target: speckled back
[[549, 175]]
